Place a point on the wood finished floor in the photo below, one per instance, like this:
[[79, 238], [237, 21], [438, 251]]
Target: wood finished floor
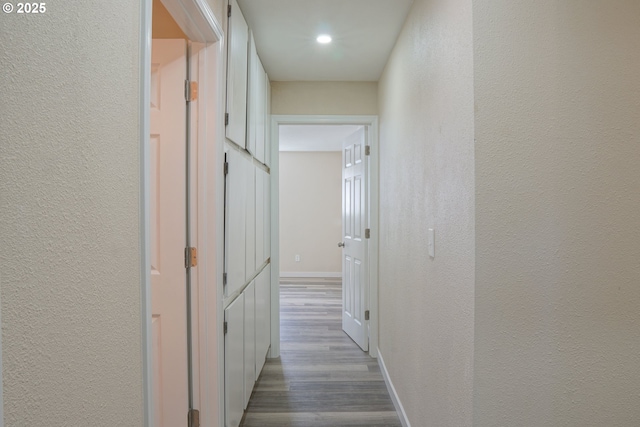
[[322, 378]]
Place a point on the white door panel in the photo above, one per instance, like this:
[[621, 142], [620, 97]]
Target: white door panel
[[260, 225], [249, 341], [233, 363], [237, 76], [253, 94], [267, 124], [267, 216], [354, 252], [263, 317], [250, 209], [261, 110], [235, 218], [167, 211]]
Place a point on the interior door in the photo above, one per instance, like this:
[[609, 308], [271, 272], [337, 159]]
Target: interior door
[[168, 218], [354, 245]]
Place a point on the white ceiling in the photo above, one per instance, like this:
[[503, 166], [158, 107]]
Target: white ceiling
[[363, 31], [314, 137]]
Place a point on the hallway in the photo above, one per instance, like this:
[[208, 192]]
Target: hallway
[[322, 379]]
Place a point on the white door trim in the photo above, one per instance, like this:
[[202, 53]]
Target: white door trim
[[372, 122], [199, 23]]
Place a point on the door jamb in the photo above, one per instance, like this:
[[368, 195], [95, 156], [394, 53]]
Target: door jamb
[[372, 122], [199, 23]]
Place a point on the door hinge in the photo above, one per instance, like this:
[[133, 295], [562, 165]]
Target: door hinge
[[366, 315], [224, 279], [190, 90], [367, 233], [194, 418], [228, 11], [367, 150], [226, 328], [226, 168], [190, 257], [226, 119]]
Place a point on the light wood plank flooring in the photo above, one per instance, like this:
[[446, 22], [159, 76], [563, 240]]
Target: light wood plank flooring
[[322, 378]]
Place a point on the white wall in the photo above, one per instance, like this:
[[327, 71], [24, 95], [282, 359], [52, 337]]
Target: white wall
[[310, 212], [427, 180], [69, 215], [558, 213], [346, 98]]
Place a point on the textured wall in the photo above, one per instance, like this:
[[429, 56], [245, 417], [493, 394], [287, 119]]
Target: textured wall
[[355, 98], [558, 213], [69, 188], [310, 211], [427, 180]]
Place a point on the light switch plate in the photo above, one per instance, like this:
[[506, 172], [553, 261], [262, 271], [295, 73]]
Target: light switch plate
[[432, 242]]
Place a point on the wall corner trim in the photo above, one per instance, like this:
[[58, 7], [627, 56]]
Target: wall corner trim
[[392, 392]]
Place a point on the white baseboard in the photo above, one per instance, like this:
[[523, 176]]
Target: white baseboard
[[311, 274], [392, 392]]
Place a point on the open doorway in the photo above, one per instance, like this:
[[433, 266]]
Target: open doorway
[[181, 176], [298, 170], [324, 216], [311, 200]]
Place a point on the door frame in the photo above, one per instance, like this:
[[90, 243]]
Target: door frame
[[198, 22], [372, 123]]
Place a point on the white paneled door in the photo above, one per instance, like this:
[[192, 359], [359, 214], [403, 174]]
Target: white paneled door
[[354, 245], [167, 210]]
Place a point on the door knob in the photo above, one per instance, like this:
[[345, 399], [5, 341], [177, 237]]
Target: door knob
[[341, 244]]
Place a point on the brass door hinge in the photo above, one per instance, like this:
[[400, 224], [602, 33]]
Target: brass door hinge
[[367, 233], [190, 257], [366, 315], [367, 150], [191, 90]]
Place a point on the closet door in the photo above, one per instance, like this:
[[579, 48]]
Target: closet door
[[249, 341], [260, 221], [235, 221], [260, 110], [237, 63], [267, 124], [250, 224], [267, 215], [263, 318], [234, 363], [252, 116]]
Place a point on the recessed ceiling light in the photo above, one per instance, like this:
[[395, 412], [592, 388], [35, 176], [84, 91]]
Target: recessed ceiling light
[[324, 38]]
